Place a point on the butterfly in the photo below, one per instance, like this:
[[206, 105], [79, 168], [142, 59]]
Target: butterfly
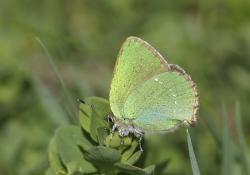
[[147, 94]]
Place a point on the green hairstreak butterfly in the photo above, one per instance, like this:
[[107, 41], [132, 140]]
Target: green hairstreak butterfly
[[147, 94]]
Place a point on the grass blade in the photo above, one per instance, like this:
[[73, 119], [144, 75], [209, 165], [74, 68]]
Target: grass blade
[[73, 109], [212, 126], [226, 146], [194, 164], [241, 137], [55, 111]]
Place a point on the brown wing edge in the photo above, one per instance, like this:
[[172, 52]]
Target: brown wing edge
[[181, 71]]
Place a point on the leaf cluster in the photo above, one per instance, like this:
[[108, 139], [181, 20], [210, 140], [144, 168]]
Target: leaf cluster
[[91, 148]]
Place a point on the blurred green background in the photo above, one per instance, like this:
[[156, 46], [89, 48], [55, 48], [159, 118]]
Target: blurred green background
[[210, 39]]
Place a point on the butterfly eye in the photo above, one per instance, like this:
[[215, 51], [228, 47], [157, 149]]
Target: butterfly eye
[[81, 101]]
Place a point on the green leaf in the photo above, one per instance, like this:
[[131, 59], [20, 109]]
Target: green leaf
[[100, 105], [129, 152], [69, 140], [103, 157], [241, 139], [49, 172], [55, 162], [227, 150], [113, 140], [134, 158], [102, 134], [116, 141], [194, 164], [93, 115], [97, 121], [133, 170], [150, 169], [101, 154], [85, 116], [160, 167]]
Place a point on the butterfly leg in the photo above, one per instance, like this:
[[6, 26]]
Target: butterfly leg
[[139, 134], [113, 130], [140, 140], [122, 140]]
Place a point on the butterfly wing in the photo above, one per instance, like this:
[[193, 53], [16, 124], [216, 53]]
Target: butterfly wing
[[163, 101], [137, 62]]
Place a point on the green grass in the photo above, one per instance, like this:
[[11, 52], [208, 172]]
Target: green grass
[[242, 142], [194, 164], [70, 102]]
